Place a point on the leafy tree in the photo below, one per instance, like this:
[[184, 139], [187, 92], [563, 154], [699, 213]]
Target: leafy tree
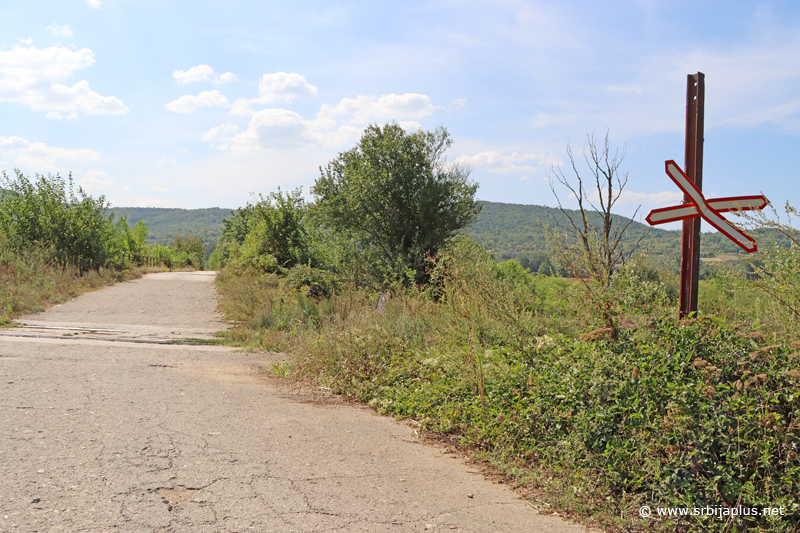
[[234, 231], [189, 245], [193, 248], [132, 240], [270, 234], [281, 227], [398, 197], [49, 212]]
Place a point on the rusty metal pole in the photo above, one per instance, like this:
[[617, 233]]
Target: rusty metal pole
[[693, 166]]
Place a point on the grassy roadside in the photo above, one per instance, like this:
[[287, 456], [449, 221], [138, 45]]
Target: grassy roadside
[[700, 413], [30, 283]]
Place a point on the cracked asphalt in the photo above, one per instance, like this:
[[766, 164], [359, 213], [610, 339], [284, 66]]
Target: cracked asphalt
[[101, 435]]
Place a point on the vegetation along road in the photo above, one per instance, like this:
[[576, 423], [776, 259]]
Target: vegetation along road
[[115, 418]]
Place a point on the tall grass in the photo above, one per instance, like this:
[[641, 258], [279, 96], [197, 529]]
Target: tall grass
[[30, 281], [673, 414]]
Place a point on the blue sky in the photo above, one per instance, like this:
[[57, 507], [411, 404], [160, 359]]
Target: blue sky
[[197, 104]]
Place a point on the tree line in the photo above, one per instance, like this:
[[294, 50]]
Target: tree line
[[50, 215]]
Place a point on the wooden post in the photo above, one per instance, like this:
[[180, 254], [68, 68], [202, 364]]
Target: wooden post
[[693, 166]]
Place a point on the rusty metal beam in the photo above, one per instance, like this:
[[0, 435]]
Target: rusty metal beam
[[693, 166]]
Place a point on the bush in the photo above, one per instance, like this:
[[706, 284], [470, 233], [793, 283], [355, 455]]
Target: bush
[[49, 213], [313, 282], [129, 239], [190, 250], [272, 230], [695, 415]]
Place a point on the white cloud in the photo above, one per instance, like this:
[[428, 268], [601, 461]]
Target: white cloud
[[269, 129], [29, 76], [241, 107], [203, 73], [277, 128], [275, 87], [280, 129], [410, 125], [228, 77], [39, 156], [64, 30], [93, 3], [197, 73], [222, 136], [159, 189], [493, 161], [329, 135], [287, 87], [96, 181], [59, 116], [663, 198], [81, 97], [365, 109], [188, 103]]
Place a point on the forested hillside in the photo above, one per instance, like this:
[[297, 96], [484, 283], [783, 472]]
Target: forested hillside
[[510, 231], [166, 224]]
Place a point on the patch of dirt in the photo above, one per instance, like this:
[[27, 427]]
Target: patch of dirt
[[230, 372], [178, 496]]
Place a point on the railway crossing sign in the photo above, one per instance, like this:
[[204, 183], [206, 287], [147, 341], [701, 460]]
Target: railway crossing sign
[[708, 209], [695, 206]]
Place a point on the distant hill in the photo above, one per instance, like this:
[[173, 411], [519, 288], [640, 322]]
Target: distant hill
[[167, 223], [511, 231]]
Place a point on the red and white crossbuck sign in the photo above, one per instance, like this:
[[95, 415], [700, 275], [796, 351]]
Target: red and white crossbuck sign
[[708, 209]]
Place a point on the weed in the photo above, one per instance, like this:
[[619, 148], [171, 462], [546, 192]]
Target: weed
[[669, 414], [30, 282]]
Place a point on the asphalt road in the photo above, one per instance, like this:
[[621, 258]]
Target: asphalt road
[[105, 429]]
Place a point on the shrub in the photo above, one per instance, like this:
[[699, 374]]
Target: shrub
[[313, 282], [49, 212], [274, 227], [695, 415]]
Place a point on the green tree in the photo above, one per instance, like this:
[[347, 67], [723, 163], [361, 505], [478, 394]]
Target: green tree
[[131, 239], [48, 212], [398, 197], [234, 231], [270, 234], [279, 222], [194, 249]]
